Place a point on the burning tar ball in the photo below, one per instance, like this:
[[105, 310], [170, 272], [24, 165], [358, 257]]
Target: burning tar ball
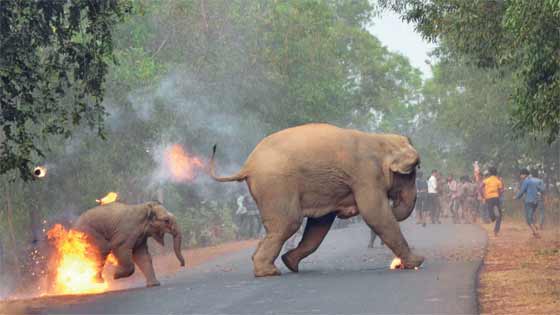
[[40, 172]]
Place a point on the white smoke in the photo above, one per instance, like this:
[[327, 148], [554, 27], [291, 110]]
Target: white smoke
[[196, 123]]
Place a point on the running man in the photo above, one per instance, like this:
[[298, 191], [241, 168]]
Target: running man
[[530, 187], [493, 188], [540, 201]]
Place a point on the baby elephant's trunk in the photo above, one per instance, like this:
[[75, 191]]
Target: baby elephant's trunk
[[177, 240]]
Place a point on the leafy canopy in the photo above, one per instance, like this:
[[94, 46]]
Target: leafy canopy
[[55, 56], [515, 36]]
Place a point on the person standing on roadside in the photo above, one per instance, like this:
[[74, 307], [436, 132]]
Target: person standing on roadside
[[493, 188], [421, 199], [433, 197], [530, 187], [453, 191], [248, 216], [468, 200], [482, 208]]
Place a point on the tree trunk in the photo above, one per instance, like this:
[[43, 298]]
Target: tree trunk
[[160, 196], [2, 259], [11, 231], [35, 224], [204, 17]]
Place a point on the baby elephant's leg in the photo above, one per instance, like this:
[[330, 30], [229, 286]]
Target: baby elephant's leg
[[143, 259], [125, 268], [101, 249]]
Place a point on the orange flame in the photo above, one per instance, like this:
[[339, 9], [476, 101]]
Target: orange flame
[[396, 264], [180, 164], [76, 263], [109, 198], [111, 259]]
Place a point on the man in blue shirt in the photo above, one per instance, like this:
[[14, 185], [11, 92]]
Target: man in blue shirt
[[530, 187], [540, 201]]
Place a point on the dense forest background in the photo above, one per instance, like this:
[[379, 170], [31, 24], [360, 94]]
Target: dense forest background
[[198, 72]]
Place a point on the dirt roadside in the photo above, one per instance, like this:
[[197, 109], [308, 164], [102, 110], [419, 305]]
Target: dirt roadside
[[520, 274], [166, 266]]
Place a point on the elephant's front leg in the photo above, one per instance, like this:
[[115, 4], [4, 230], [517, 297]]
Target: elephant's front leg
[[143, 260], [125, 267], [377, 213]]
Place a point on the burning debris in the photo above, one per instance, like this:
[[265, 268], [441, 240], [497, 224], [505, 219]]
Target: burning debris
[[76, 263], [109, 198], [396, 263], [180, 164], [40, 172]]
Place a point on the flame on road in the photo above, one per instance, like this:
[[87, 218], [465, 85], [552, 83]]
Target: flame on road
[[76, 263], [40, 172], [109, 198], [181, 165], [396, 264]]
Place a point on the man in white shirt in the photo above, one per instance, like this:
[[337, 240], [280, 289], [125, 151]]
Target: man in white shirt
[[433, 198], [432, 183], [248, 214]]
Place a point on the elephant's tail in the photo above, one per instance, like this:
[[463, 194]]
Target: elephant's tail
[[240, 176]]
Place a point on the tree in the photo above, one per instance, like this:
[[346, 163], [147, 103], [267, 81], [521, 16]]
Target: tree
[[197, 72], [55, 56], [518, 37]]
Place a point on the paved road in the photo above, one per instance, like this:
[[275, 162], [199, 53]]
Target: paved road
[[342, 277]]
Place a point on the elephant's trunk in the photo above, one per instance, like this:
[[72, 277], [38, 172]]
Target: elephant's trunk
[[403, 194], [177, 240]]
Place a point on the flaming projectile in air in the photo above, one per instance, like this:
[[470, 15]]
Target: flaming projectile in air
[[40, 172]]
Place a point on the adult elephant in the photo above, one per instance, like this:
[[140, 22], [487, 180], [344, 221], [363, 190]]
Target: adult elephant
[[321, 171], [124, 229]]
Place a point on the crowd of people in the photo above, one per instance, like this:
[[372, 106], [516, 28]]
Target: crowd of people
[[473, 198], [466, 199]]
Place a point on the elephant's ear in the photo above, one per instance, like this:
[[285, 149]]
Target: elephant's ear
[[151, 213], [401, 161], [404, 161]]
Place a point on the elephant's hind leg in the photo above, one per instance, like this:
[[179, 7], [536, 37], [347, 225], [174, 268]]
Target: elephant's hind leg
[[125, 267], [281, 221], [143, 260], [315, 231]]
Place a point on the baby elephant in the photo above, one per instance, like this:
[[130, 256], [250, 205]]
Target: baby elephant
[[123, 230]]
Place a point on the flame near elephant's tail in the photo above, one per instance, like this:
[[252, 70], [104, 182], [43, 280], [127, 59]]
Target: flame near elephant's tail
[[240, 176]]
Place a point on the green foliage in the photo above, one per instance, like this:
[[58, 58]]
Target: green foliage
[[516, 36], [464, 116], [199, 72], [55, 57], [209, 223]]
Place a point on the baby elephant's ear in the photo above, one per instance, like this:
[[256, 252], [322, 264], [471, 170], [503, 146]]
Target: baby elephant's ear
[[151, 213]]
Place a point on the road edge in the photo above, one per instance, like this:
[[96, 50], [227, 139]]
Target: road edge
[[480, 267]]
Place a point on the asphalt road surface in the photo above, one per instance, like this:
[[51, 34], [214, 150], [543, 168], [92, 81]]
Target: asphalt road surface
[[342, 277]]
